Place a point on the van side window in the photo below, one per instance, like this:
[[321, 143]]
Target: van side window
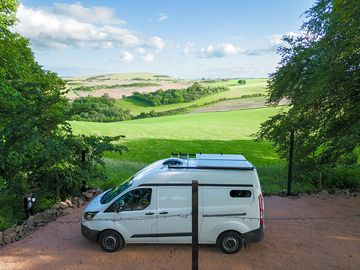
[[240, 193], [137, 199]]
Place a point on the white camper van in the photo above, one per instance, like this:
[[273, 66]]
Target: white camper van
[[154, 206]]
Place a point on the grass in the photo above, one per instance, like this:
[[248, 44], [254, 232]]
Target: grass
[[231, 125], [253, 86], [221, 132]]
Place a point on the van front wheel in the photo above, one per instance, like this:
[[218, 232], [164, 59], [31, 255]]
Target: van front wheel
[[230, 242], [111, 241]]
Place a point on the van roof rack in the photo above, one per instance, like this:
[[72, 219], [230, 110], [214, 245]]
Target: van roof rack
[[210, 161]]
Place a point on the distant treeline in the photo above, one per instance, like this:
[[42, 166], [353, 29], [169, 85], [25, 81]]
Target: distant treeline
[[97, 87], [171, 96], [98, 109]]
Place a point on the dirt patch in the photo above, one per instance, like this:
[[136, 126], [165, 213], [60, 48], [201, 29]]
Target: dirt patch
[[289, 244]]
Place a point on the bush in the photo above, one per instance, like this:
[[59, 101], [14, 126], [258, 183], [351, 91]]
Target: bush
[[98, 109], [241, 82], [171, 96]]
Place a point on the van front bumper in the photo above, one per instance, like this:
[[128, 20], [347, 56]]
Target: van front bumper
[[89, 233], [255, 235]]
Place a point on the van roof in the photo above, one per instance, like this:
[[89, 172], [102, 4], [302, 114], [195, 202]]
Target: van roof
[[209, 161]]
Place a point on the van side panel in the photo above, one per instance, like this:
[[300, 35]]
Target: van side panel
[[222, 212], [174, 214]]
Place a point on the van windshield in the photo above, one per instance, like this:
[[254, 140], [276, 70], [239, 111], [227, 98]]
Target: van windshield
[[112, 193]]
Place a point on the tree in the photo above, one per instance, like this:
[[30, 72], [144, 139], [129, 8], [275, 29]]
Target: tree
[[38, 151], [319, 75], [241, 82]]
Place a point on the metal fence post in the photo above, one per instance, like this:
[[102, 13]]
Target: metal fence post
[[195, 225], [291, 156]]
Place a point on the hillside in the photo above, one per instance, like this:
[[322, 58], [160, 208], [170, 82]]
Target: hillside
[[121, 84]]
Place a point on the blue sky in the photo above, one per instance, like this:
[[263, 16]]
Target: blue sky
[[185, 39]]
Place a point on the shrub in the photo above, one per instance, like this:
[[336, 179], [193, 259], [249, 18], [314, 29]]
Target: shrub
[[193, 92], [98, 109]]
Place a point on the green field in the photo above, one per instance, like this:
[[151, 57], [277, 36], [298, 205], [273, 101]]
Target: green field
[[252, 86], [220, 132]]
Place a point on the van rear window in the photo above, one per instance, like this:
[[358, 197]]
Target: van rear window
[[240, 193]]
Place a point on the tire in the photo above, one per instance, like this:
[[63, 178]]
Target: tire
[[111, 241], [230, 242]]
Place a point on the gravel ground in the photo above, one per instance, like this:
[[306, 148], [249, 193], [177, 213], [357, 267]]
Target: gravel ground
[[289, 244]]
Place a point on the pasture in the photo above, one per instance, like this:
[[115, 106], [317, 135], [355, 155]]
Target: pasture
[[215, 132]]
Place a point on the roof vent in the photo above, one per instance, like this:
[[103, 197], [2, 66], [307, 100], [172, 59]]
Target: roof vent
[[173, 161]]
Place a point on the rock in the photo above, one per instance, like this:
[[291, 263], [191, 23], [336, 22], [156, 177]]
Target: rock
[[88, 194], [1, 238], [27, 230], [283, 193], [324, 191], [353, 194], [63, 205], [68, 211], [81, 202], [10, 231], [30, 222], [347, 192], [7, 239], [19, 228], [20, 234], [69, 203], [13, 237], [39, 219], [337, 191]]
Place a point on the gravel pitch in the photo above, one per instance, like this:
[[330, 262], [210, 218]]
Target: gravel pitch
[[319, 243]]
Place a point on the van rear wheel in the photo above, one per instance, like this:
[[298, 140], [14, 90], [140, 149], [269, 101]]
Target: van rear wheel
[[230, 242], [111, 241]]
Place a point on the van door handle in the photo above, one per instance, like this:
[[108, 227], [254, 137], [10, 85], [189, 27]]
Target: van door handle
[[149, 213], [164, 213]]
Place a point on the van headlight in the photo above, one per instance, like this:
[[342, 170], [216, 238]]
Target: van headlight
[[89, 215]]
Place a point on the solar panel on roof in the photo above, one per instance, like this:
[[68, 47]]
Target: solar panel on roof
[[220, 157], [224, 163]]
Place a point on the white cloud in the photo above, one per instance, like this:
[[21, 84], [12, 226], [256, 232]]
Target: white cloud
[[141, 50], [148, 57], [276, 39], [96, 14], [44, 27], [157, 42], [126, 57], [219, 50], [163, 17], [189, 47]]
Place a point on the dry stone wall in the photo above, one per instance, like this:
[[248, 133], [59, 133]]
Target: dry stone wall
[[17, 232]]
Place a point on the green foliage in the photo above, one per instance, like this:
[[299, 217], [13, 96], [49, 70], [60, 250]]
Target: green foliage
[[319, 75], [98, 109], [117, 171], [38, 152], [7, 14], [84, 88], [171, 96], [241, 82]]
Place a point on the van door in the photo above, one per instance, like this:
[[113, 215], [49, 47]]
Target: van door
[[174, 214], [136, 219]]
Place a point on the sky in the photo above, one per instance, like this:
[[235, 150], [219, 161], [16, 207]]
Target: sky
[[184, 39]]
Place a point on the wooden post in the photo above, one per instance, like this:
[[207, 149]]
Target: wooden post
[[195, 225], [291, 156]]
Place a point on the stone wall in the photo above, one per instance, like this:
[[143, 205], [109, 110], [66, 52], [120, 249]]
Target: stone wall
[[17, 232]]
